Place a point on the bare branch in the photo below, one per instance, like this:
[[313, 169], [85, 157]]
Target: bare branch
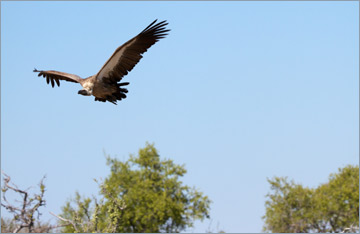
[[69, 222], [23, 215]]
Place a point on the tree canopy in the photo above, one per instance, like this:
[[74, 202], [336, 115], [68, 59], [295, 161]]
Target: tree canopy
[[331, 207], [143, 194]]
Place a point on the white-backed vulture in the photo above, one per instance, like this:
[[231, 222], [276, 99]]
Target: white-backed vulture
[[105, 85]]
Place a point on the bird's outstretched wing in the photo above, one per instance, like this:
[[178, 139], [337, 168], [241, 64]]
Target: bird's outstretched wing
[[129, 54], [52, 76]]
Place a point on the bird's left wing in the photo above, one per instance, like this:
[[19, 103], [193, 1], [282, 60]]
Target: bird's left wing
[[129, 54], [52, 76]]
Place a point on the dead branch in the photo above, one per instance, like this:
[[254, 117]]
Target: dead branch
[[24, 214], [68, 222]]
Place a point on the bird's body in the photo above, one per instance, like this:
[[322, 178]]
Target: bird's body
[[104, 85]]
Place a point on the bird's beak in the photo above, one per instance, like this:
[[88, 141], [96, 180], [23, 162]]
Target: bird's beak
[[82, 92]]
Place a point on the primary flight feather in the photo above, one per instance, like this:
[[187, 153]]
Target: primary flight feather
[[105, 85]]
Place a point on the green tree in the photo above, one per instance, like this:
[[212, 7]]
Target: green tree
[[331, 207], [337, 202], [143, 194]]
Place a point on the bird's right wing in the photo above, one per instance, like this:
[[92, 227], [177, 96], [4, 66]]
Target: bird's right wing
[[129, 54], [52, 76]]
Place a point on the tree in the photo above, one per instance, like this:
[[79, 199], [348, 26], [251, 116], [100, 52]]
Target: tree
[[331, 207], [25, 215], [337, 202], [82, 219], [143, 194]]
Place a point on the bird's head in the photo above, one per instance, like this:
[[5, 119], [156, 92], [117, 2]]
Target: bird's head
[[84, 92]]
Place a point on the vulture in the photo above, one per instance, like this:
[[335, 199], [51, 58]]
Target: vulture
[[106, 85]]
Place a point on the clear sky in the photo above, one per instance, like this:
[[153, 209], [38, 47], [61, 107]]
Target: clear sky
[[238, 92]]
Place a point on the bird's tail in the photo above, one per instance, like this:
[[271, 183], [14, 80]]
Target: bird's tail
[[121, 91], [119, 94], [123, 84]]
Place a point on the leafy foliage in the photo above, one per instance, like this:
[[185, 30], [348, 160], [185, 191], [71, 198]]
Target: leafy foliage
[[337, 202], [84, 219], [331, 207], [143, 194]]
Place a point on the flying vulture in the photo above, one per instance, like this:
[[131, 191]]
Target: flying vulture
[[105, 85]]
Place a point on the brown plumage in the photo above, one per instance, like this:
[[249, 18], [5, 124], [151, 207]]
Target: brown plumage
[[105, 84]]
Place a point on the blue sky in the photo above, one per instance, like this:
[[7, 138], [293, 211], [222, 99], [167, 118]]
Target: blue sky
[[238, 92]]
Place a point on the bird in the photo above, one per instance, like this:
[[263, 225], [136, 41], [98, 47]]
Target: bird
[[105, 85]]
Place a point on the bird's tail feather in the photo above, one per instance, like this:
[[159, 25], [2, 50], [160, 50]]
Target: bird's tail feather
[[123, 84]]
